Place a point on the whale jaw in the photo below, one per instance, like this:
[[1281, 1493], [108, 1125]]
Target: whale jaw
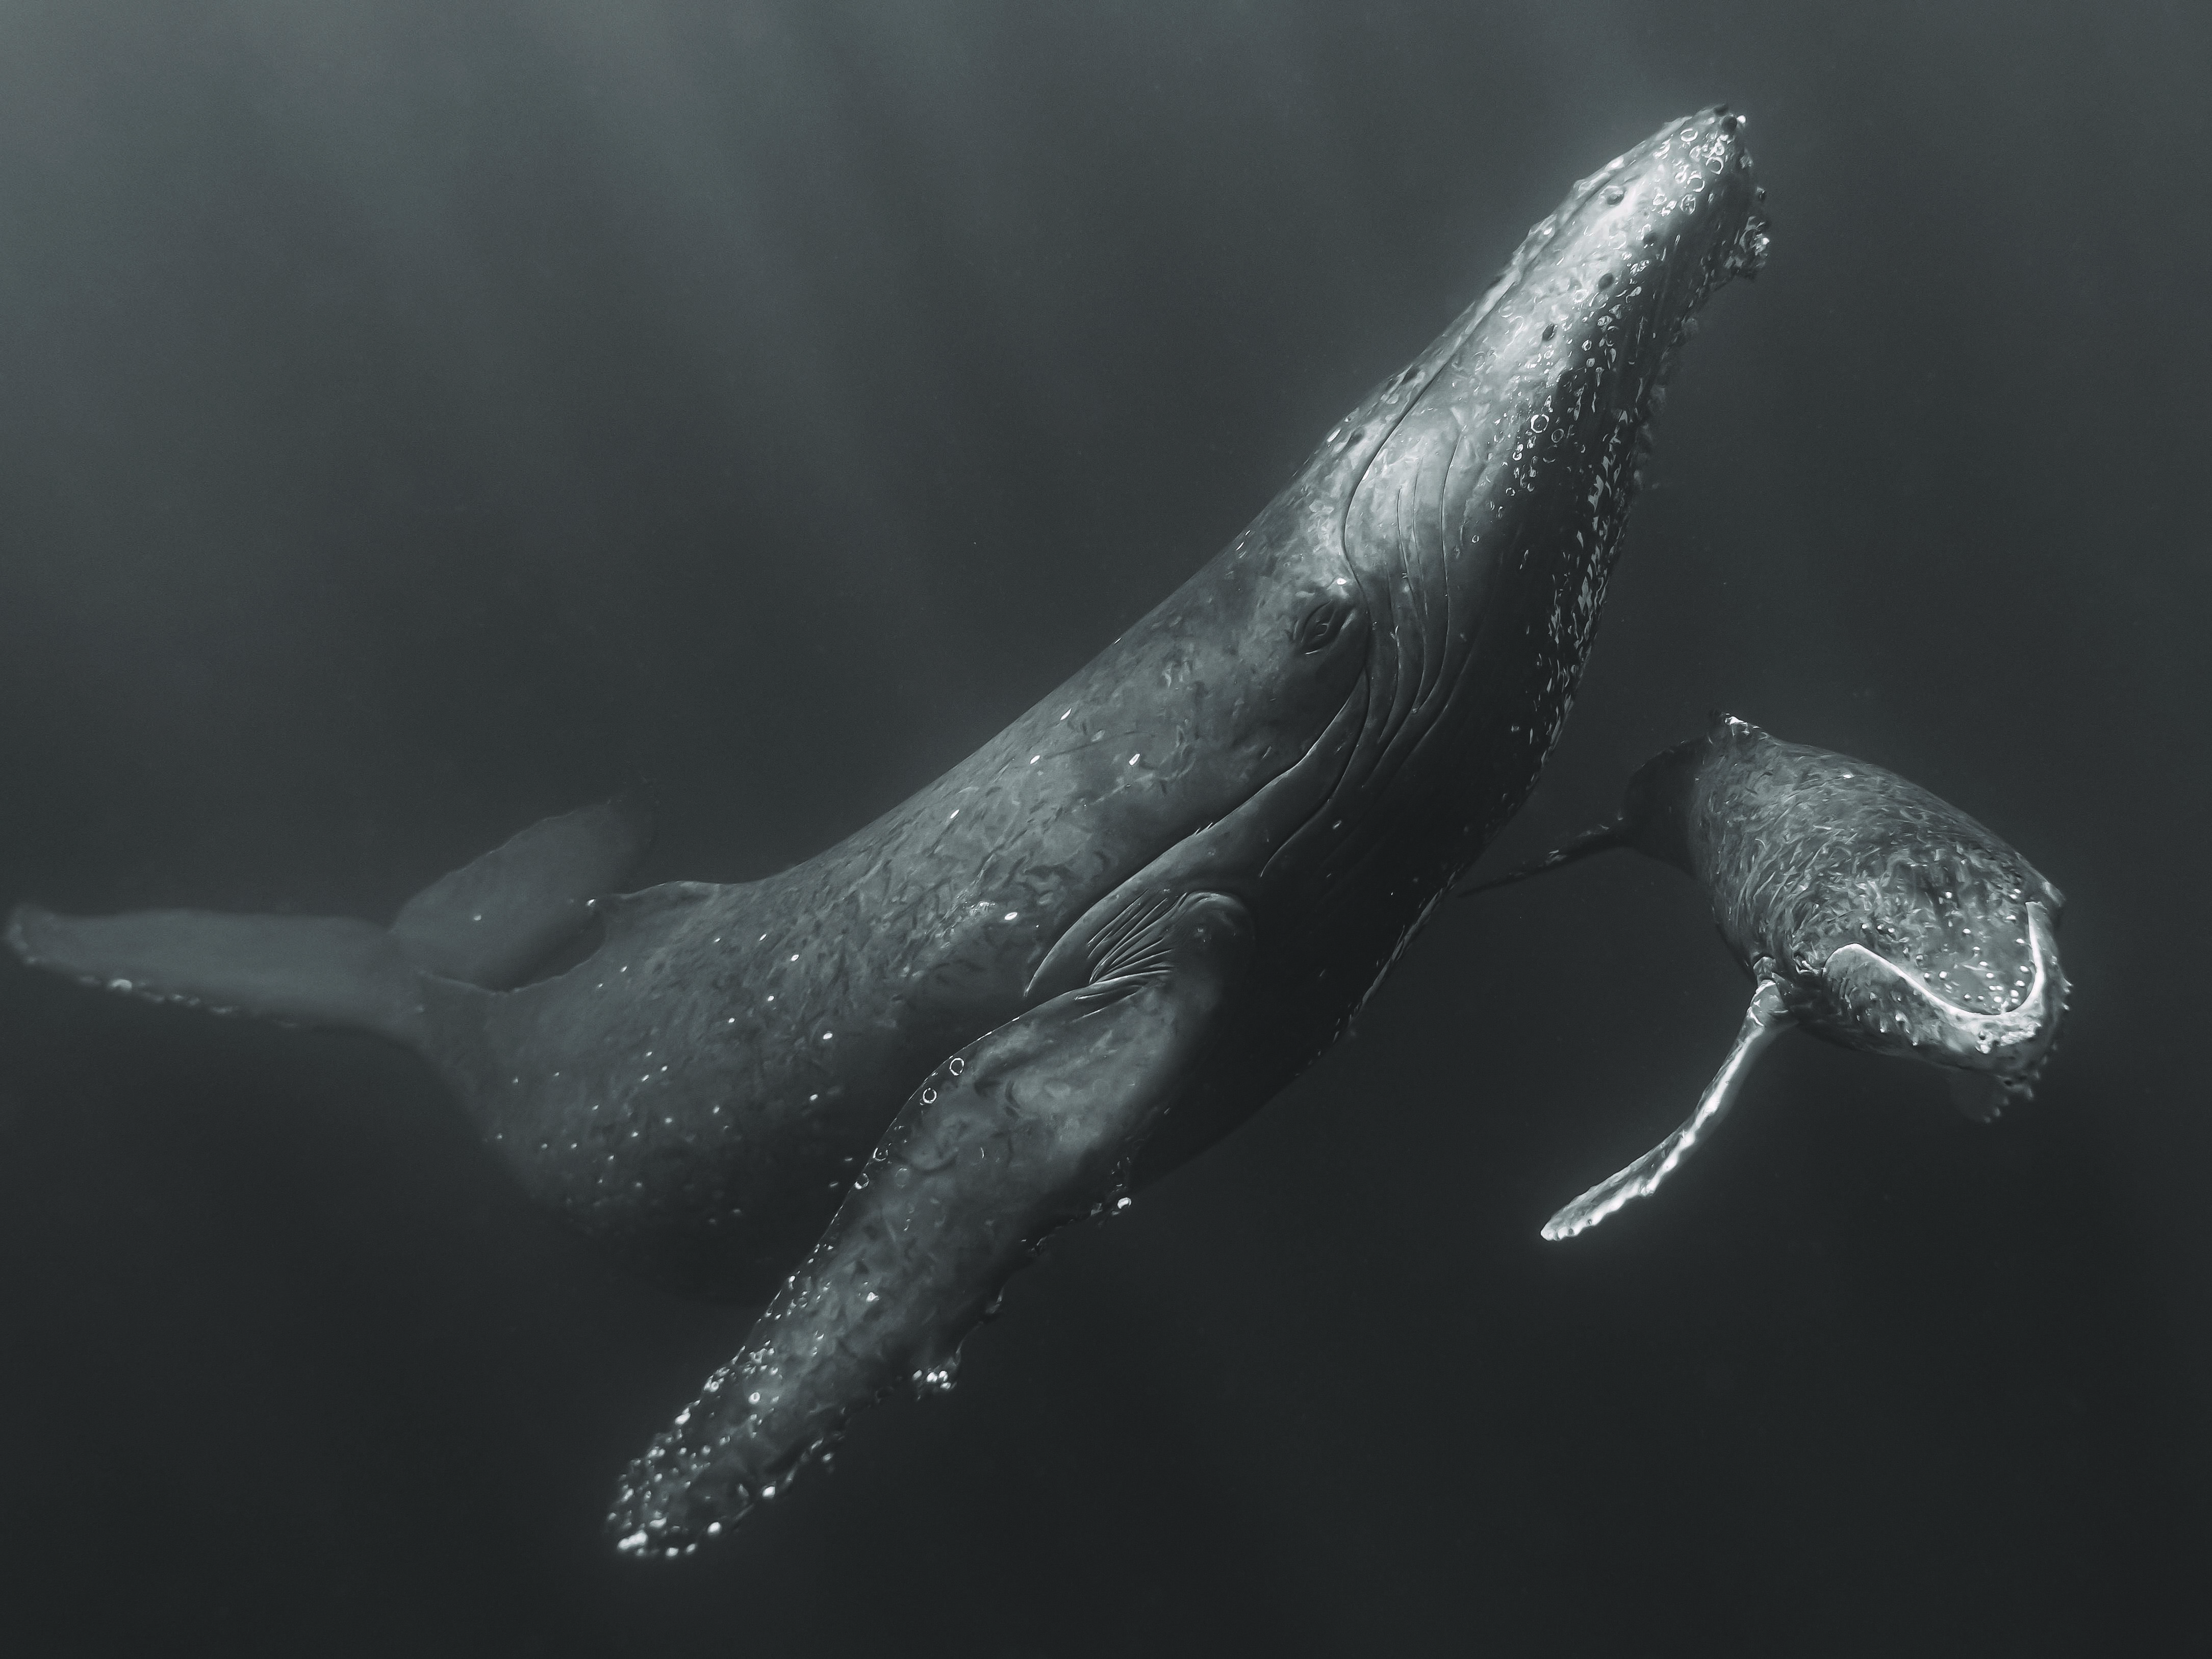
[[1886, 1006]]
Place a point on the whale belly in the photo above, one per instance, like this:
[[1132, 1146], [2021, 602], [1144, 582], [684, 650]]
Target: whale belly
[[698, 1094]]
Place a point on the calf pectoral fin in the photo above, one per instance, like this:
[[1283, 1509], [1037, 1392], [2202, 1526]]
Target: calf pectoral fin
[[1763, 1021], [1022, 1131]]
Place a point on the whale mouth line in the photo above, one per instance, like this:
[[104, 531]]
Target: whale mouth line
[[2008, 1028]]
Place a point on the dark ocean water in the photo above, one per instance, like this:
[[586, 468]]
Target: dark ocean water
[[416, 419]]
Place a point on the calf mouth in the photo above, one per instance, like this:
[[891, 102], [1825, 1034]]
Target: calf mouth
[[1886, 1006]]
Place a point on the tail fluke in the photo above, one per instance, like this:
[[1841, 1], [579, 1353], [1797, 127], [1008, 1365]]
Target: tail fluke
[[315, 970], [487, 925]]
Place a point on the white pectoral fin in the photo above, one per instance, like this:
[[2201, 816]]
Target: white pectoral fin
[[1763, 1021], [1028, 1126]]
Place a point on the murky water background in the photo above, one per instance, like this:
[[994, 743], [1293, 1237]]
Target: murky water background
[[416, 419]]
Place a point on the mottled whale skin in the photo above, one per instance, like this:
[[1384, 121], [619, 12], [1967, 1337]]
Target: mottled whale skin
[[1865, 910], [1146, 906]]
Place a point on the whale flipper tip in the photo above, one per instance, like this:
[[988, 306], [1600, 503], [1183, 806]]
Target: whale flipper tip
[[1639, 1179], [679, 1495], [1763, 1021]]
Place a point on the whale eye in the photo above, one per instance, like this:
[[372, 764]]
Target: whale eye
[[1323, 621]]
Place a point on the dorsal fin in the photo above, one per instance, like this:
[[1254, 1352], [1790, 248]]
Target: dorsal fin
[[622, 915], [492, 920]]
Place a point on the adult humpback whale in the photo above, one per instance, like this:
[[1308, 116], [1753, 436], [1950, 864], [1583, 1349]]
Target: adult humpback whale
[[1865, 910], [1149, 904]]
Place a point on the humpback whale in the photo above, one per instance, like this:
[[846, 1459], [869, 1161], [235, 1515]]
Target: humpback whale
[[870, 1087], [1866, 911]]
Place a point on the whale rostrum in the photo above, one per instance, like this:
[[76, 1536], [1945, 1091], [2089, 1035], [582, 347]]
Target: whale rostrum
[[1865, 910], [867, 1088]]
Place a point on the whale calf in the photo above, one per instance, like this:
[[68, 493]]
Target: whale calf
[[1089, 950], [1865, 910]]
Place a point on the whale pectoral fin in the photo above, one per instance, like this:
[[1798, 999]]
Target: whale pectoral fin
[[1022, 1131], [492, 920], [1763, 1021]]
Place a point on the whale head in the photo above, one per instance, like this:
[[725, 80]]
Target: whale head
[[1894, 923], [1975, 986], [1476, 496]]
